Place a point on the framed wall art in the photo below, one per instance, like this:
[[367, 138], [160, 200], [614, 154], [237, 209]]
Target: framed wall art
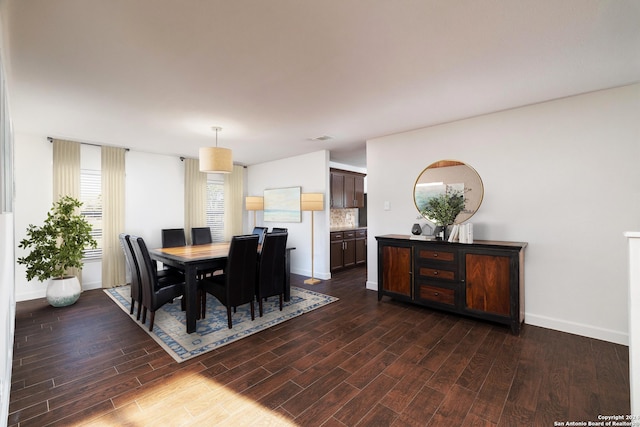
[[282, 204]]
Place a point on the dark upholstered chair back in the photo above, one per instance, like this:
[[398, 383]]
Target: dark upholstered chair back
[[279, 230], [136, 292], [172, 237], [200, 235], [271, 269], [240, 270], [154, 296], [260, 232], [271, 265]]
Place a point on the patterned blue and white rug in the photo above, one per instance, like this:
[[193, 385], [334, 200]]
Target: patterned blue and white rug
[[169, 328]]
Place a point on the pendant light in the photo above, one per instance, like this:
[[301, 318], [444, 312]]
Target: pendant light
[[216, 159]]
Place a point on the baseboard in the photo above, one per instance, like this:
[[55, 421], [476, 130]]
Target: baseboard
[[590, 331], [307, 273]]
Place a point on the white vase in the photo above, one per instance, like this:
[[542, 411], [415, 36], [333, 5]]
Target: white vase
[[63, 292]]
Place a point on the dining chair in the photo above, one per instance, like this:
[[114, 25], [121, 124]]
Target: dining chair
[[172, 237], [136, 293], [155, 293], [236, 285], [271, 270], [200, 236], [260, 232], [279, 230]]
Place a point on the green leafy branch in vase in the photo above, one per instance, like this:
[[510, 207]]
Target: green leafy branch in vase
[[445, 207], [59, 243]]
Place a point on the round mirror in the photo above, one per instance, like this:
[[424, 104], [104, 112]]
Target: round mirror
[[448, 191]]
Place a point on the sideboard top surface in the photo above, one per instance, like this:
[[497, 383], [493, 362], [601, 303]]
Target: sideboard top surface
[[483, 243]]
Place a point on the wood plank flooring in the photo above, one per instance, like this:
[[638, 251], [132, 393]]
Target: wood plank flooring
[[356, 362]]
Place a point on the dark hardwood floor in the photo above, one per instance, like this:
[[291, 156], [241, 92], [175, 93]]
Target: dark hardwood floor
[[354, 362]]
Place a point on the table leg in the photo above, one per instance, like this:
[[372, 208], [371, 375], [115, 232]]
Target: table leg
[[191, 298], [287, 278]]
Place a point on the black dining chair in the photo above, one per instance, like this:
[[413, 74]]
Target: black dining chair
[[279, 230], [172, 237], [136, 292], [260, 232], [271, 271], [155, 293], [201, 236], [236, 286]]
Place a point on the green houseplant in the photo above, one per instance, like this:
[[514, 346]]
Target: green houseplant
[[55, 247], [444, 208]]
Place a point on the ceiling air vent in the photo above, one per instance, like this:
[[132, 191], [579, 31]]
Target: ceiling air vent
[[320, 138]]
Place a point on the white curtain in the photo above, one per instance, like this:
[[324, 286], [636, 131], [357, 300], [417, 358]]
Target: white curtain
[[195, 197], [113, 199], [233, 201], [66, 177]]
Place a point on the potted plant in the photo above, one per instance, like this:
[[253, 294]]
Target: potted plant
[[56, 246], [444, 208]]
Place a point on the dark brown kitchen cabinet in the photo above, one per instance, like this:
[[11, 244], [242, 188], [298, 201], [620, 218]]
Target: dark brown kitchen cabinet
[[347, 248], [484, 279], [361, 246], [347, 189]]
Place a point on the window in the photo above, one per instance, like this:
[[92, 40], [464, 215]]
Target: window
[[91, 198], [215, 209]]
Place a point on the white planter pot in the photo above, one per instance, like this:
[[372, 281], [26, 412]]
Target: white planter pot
[[63, 292]]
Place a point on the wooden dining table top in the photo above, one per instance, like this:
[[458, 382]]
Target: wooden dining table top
[[197, 252]]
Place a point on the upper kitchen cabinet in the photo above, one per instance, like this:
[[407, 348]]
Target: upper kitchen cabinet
[[347, 189]]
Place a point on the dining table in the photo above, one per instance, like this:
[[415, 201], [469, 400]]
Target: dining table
[[194, 258]]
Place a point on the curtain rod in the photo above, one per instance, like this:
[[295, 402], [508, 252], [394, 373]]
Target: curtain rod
[[85, 143]]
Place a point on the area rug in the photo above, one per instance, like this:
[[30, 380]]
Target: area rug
[[169, 328]]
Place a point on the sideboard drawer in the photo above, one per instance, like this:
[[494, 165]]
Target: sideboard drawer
[[437, 294], [436, 273], [436, 255]]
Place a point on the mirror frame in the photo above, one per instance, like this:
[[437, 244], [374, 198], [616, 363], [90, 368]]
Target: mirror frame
[[467, 180]]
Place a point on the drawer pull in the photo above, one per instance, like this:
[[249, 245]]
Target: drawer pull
[[435, 273], [436, 293], [435, 255]]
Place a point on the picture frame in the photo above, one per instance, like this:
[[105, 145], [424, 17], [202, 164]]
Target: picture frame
[[282, 204]]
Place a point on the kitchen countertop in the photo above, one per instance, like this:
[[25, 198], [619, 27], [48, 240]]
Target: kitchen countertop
[[346, 228]]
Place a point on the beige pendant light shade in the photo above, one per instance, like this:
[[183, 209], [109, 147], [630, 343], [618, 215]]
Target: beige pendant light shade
[[216, 159]]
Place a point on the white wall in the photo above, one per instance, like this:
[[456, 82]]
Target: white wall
[[311, 173], [154, 200], [33, 172], [562, 176]]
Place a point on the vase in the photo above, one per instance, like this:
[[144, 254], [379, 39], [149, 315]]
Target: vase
[[442, 232], [416, 229], [63, 292]]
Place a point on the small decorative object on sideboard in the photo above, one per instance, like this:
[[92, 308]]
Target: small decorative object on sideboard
[[416, 229]]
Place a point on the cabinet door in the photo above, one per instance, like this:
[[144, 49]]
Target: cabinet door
[[396, 269], [349, 254], [349, 191], [487, 283], [337, 190], [336, 255], [361, 251], [359, 192]]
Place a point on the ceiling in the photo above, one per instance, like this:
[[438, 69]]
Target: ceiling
[[156, 75]]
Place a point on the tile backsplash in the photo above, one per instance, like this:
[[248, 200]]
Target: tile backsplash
[[344, 218]]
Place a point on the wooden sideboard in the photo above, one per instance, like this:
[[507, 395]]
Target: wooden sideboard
[[484, 279]]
